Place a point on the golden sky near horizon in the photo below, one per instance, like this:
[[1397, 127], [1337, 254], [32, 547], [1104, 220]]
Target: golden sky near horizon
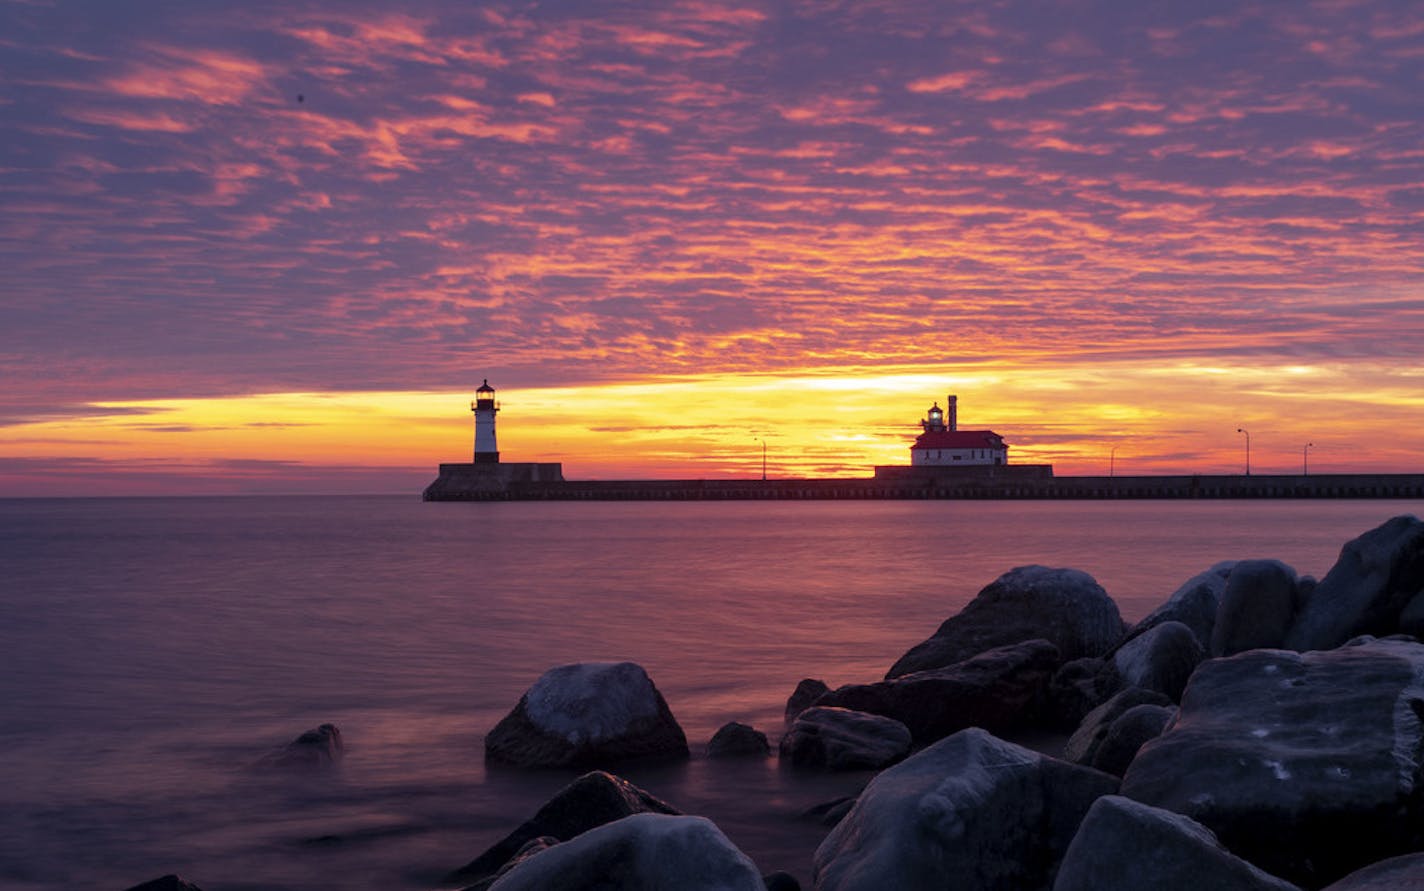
[[276, 249]]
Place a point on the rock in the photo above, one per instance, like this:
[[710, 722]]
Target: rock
[[1367, 588], [969, 812], [1194, 604], [1256, 609], [843, 739], [1064, 606], [166, 883], [641, 851], [1082, 746], [1077, 688], [1161, 658], [1125, 846], [1411, 618], [593, 799], [780, 881], [1127, 734], [1404, 873], [588, 714], [1322, 749], [736, 740], [805, 694], [320, 747], [1000, 690], [530, 848], [830, 813]]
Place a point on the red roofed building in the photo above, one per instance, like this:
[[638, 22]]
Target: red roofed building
[[943, 444]]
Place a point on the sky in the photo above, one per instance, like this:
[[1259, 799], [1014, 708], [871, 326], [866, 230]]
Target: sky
[[274, 247]]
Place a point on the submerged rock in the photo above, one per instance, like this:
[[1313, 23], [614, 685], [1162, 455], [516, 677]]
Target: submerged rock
[[1367, 589], [591, 800], [1257, 607], [1064, 606], [1124, 845], [169, 882], [320, 747], [969, 812], [1307, 764], [641, 851], [1000, 690], [588, 714], [844, 739], [737, 740]]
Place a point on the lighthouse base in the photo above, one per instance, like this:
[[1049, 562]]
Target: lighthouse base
[[483, 480]]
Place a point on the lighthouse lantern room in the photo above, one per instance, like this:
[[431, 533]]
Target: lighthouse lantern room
[[485, 408]]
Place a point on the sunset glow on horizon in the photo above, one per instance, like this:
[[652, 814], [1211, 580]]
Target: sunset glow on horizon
[[275, 248]]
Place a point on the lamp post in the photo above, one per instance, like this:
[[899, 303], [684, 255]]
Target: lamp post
[[1248, 448], [1305, 459], [1112, 460], [763, 457]]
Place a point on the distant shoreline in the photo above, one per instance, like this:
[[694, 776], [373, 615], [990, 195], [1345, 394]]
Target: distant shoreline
[[486, 482]]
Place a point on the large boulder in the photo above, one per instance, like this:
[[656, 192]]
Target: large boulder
[[1194, 604], [1128, 733], [1306, 764], [641, 851], [844, 739], [315, 749], [1256, 609], [589, 714], [1124, 845], [1403, 873], [1082, 747], [737, 740], [969, 812], [1000, 690], [1064, 606], [1161, 658], [1366, 590], [591, 800]]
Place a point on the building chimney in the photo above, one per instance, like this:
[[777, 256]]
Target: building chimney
[[953, 412]]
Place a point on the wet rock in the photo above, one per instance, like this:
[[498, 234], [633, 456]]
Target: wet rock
[[1128, 733], [166, 883], [1194, 604], [969, 812], [1306, 764], [1064, 606], [1002, 689], [805, 694], [641, 851], [1366, 590], [1077, 688], [529, 849], [1082, 747], [588, 714], [844, 739], [1404, 873], [737, 740], [1256, 609], [1123, 845], [1161, 658], [320, 747], [593, 799]]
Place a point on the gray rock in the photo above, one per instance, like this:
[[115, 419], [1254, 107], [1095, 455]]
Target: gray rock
[[1002, 689], [641, 851], [166, 883], [1079, 687], [1128, 733], [1404, 873], [1194, 604], [969, 812], [593, 799], [589, 714], [736, 740], [1064, 606], [1126, 846], [1366, 590], [1256, 609], [804, 696], [1082, 746], [844, 739], [315, 749], [1162, 658], [1322, 749], [530, 848]]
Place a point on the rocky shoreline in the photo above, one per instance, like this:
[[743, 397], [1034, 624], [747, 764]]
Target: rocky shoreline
[[1258, 730]]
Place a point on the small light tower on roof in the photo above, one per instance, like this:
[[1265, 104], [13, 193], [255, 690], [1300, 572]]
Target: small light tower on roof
[[484, 407]]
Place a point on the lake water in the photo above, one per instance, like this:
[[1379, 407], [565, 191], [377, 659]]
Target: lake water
[[151, 650]]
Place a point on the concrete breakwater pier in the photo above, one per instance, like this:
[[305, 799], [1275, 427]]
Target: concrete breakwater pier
[[475, 482]]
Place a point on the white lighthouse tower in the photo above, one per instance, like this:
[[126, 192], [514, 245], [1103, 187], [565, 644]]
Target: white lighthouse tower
[[485, 408]]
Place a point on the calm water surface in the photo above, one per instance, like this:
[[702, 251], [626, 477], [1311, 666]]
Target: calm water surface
[[153, 649]]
